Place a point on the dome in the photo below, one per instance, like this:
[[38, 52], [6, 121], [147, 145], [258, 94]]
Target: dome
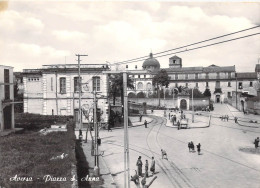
[[151, 63]]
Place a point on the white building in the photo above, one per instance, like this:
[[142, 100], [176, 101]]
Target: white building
[[54, 90], [6, 98]]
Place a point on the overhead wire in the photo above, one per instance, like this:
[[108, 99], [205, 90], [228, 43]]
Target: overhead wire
[[185, 46], [186, 50]]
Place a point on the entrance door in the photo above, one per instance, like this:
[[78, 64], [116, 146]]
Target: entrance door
[[76, 115], [183, 104], [243, 106], [217, 98], [8, 117]]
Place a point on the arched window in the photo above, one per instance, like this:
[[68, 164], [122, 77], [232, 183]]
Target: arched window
[[140, 85], [149, 86]]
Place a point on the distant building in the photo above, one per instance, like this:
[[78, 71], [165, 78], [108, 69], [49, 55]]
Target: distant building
[[54, 90], [221, 80], [6, 98]]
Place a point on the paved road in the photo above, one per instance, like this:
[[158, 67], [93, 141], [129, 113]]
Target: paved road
[[221, 163]]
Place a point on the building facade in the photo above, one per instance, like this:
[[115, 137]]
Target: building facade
[[6, 98], [54, 90], [220, 80]]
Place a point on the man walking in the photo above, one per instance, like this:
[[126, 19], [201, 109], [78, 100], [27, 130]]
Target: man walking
[[139, 165], [198, 148], [146, 168], [152, 169], [145, 124], [256, 142], [140, 117]]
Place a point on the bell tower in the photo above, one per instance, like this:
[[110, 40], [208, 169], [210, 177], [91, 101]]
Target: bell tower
[[175, 62]]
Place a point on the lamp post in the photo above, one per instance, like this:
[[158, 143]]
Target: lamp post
[[192, 105]]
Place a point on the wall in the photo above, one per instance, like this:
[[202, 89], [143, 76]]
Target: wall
[[169, 103]]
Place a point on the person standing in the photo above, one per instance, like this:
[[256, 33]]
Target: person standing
[[178, 124], [256, 142], [145, 124], [146, 168], [169, 116], [174, 119], [152, 168], [139, 165], [141, 117], [198, 148], [189, 146]]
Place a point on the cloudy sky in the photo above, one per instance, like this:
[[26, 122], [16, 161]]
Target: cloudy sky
[[37, 33]]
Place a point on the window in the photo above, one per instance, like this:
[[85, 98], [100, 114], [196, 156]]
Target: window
[[96, 83], [229, 75], [229, 84], [51, 84], [196, 76], [217, 84], [76, 84], [144, 76], [176, 76], [251, 84], [186, 76], [139, 76], [7, 80], [140, 85], [62, 85], [218, 75], [174, 61], [149, 86], [240, 85], [207, 75], [229, 94]]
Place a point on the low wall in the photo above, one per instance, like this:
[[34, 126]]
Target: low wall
[[253, 107], [169, 103]]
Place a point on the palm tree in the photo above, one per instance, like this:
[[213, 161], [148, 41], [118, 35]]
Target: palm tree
[[116, 86]]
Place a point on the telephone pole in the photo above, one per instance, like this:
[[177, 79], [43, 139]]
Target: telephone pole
[[79, 84], [126, 138]]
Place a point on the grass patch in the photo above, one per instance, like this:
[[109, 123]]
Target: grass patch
[[28, 155]]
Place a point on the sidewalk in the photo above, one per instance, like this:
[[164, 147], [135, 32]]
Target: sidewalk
[[104, 170], [135, 122]]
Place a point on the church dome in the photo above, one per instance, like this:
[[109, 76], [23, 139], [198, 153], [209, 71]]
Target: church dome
[[151, 63]]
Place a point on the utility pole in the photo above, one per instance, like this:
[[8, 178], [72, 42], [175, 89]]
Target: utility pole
[[126, 138], [79, 84], [236, 89], [192, 105], [96, 135]]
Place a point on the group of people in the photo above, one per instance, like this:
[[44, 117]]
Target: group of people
[[256, 142], [139, 173], [224, 118], [192, 147]]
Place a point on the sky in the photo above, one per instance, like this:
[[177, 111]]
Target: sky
[[36, 33]]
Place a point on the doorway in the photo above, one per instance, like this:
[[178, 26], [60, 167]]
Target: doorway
[[183, 104], [8, 117]]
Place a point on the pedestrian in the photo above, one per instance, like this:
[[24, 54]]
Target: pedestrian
[[145, 124], [227, 117], [169, 116], [189, 146], [141, 117], [139, 165], [178, 124], [256, 142], [80, 134], [152, 168], [198, 148], [108, 128], [152, 110], [146, 168], [192, 146], [236, 119], [164, 154], [174, 119]]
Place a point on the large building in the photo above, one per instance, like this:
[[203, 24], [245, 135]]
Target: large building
[[6, 98], [221, 80], [54, 90]]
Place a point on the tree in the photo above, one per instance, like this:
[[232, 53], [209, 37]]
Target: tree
[[207, 93], [196, 93], [116, 86], [159, 80]]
